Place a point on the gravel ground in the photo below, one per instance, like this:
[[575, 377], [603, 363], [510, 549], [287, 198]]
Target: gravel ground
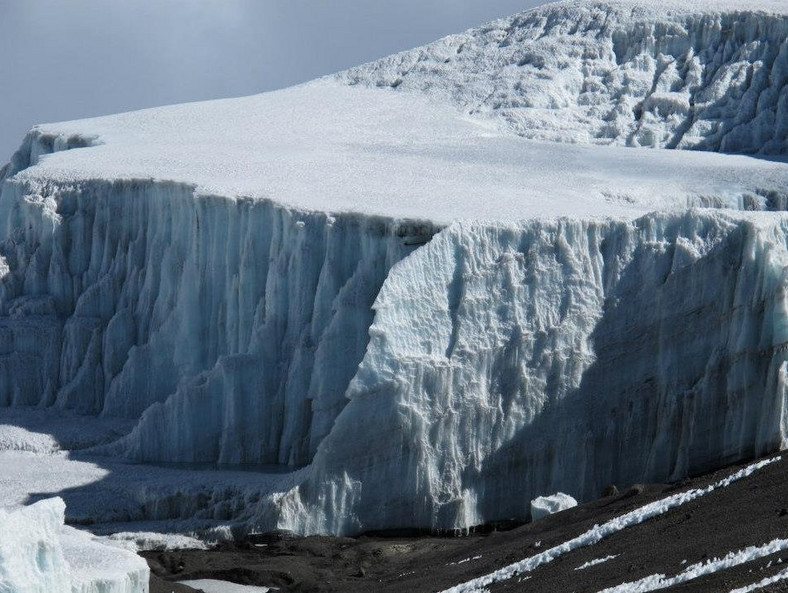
[[750, 512]]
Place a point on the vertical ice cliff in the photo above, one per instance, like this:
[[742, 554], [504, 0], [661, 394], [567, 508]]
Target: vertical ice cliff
[[509, 361], [241, 319], [706, 76]]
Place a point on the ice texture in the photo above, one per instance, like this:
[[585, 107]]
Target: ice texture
[[38, 554], [494, 369], [542, 506], [231, 324], [705, 75], [31, 555]]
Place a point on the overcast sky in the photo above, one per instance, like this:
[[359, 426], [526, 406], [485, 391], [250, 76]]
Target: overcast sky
[[68, 59]]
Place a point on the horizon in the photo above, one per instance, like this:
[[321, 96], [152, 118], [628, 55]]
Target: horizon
[[124, 57]]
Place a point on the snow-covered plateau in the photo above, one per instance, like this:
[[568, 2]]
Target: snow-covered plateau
[[441, 285]]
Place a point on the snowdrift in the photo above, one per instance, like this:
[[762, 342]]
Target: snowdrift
[[281, 279]]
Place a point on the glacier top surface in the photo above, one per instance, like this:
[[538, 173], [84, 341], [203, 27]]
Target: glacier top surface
[[325, 146]]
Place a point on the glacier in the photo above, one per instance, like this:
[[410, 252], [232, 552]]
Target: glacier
[[502, 380], [438, 299]]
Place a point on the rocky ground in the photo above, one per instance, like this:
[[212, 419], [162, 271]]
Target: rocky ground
[[750, 512]]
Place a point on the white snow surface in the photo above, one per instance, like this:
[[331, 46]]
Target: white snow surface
[[596, 561], [599, 532], [327, 147], [542, 506], [38, 554]]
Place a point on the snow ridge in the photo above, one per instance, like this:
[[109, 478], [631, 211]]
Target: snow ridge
[[705, 76], [694, 571]]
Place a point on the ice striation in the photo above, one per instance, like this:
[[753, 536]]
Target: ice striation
[[123, 294], [494, 369], [692, 75], [282, 279]]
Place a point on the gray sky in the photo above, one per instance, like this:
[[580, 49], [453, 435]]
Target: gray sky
[[68, 59]]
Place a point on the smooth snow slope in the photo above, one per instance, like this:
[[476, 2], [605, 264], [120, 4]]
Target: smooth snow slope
[[327, 147], [706, 74], [208, 272]]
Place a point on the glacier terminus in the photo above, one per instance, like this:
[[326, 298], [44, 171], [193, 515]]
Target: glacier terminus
[[542, 256]]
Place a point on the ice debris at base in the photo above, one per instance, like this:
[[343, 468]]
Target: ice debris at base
[[38, 554], [208, 272], [214, 586], [599, 532], [542, 506], [596, 561], [694, 571]]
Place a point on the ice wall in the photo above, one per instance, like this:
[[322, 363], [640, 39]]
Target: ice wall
[[708, 76], [39, 555], [241, 320], [511, 361]]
